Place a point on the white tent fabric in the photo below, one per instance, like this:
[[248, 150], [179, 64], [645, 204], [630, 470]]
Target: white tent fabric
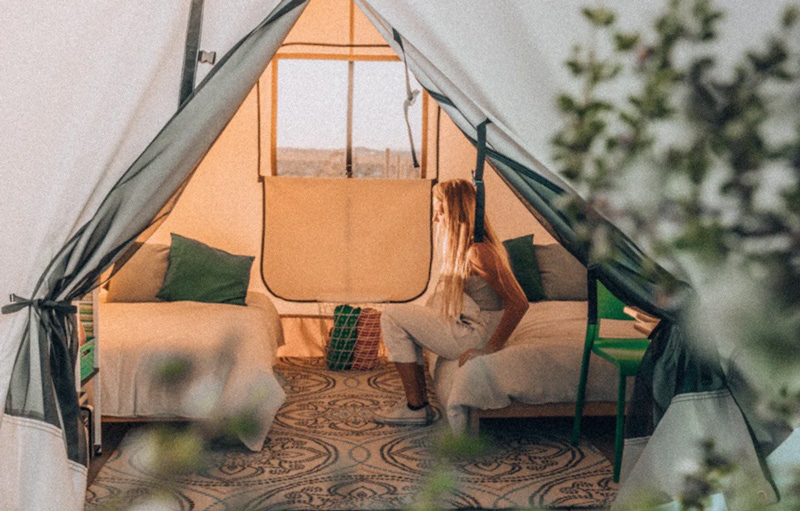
[[98, 84], [95, 83], [459, 53], [659, 468], [70, 136]]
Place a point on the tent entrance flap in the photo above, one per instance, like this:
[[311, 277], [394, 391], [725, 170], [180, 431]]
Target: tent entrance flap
[[348, 240]]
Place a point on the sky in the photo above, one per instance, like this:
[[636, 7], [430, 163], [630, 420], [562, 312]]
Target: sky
[[312, 105]]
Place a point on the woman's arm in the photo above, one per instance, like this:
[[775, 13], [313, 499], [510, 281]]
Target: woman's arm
[[485, 263]]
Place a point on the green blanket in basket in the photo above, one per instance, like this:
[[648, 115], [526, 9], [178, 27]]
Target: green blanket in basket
[[343, 337]]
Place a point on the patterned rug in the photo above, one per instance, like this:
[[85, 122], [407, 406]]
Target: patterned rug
[[324, 453]]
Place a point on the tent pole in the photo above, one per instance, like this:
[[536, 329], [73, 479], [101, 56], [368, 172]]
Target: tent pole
[[349, 149]]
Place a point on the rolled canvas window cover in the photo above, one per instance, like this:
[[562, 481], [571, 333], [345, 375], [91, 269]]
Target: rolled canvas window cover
[[346, 240]]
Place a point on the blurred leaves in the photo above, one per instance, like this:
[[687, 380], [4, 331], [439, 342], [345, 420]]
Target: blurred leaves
[[173, 370], [600, 17], [784, 406], [245, 423], [172, 450], [460, 447], [709, 477], [685, 162], [625, 42], [723, 153], [168, 451], [449, 450]]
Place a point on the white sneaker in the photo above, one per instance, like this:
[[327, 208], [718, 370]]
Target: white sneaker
[[400, 414]]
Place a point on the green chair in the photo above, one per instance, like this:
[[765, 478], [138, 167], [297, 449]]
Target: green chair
[[625, 354]]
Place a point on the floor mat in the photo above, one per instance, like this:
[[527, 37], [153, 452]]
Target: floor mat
[[324, 452]]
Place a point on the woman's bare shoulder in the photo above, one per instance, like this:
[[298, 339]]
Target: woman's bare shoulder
[[480, 251], [483, 257]]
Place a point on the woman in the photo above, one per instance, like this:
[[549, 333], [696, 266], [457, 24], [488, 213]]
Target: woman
[[476, 306]]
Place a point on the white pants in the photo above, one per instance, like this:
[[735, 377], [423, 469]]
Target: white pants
[[408, 328]]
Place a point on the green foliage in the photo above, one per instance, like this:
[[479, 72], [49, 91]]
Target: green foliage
[[709, 478], [625, 42], [176, 450], [450, 446], [790, 17], [448, 450], [599, 17], [241, 425], [173, 371], [713, 201], [723, 118]]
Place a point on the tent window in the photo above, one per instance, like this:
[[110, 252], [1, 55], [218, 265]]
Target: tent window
[[318, 134]]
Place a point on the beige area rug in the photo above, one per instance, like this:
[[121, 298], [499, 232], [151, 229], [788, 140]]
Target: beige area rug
[[323, 452]]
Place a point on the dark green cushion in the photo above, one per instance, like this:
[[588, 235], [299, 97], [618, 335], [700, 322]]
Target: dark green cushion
[[523, 264], [201, 273]]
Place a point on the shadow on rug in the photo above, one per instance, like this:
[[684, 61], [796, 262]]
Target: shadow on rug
[[324, 452]]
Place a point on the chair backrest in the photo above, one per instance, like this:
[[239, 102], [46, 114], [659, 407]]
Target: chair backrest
[[602, 303], [608, 305]]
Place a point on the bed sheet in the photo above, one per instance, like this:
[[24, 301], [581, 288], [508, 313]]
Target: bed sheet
[[540, 364], [229, 348]]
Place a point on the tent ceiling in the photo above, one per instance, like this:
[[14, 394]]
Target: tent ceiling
[[336, 29]]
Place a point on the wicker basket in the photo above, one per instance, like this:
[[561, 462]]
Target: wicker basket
[[354, 341]]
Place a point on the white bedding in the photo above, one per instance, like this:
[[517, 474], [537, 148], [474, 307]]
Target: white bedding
[[134, 337], [540, 364]]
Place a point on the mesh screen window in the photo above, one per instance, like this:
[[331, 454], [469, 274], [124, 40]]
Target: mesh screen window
[[312, 119]]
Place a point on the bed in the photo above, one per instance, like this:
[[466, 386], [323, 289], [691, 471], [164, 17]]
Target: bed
[[138, 338], [535, 374], [145, 343]]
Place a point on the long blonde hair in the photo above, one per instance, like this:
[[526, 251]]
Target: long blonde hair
[[457, 197]]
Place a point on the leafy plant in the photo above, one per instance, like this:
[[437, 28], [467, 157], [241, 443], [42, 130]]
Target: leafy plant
[[698, 161]]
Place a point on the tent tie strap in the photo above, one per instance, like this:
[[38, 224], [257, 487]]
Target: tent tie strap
[[411, 98], [18, 303], [477, 180]]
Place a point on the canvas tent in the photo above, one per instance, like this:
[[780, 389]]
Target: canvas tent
[[99, 138]]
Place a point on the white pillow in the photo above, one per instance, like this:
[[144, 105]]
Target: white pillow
[[141, 276], [563, 277]]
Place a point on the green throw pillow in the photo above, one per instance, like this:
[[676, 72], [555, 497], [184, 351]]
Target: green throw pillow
[[523, 264], [201, 273]]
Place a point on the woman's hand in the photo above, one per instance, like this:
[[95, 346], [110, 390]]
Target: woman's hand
[[472, 353], [487, 264]]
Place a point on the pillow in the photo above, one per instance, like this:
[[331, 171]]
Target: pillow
[[140, 278], [523, 264], [563, 276], [201, 273]]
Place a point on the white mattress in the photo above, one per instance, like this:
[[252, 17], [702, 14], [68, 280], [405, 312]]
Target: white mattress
[[540, 364], [231, 349]]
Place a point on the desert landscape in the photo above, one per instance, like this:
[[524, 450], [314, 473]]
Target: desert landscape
[[367, 163]]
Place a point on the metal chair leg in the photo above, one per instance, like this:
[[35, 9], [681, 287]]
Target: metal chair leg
[[581, 397], [619, 439]]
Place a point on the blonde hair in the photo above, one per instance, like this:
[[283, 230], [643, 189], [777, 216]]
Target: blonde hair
[[457, 197]]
